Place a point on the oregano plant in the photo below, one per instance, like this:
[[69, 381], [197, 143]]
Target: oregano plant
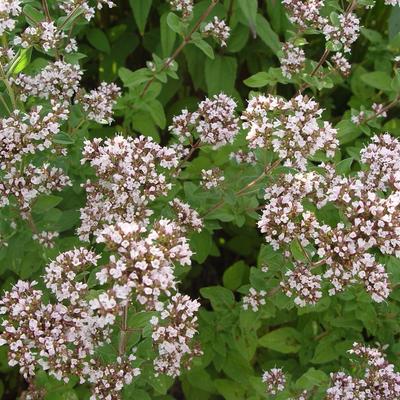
[[200, 199]]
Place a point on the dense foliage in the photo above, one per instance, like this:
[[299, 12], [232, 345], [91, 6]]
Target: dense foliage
[[200, 199]]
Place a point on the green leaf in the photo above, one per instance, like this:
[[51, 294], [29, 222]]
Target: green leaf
[[140, 319], [98, 39], [20, 62], [168, 35], [394, 22], [201, 244], [249, 9], [378, 80], [284, 340], [297, 250], [344, 166], [221, 74], [156, 110], [203, 46], [260, 79], [33, 16], [133, 78], [220, 297], [312, 378], [267, 35], [230, 390], [235, 275], [175, 23], [140, 9], [46, 202]]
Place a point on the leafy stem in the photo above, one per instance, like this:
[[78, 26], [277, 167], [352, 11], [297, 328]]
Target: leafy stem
[[185, 41]]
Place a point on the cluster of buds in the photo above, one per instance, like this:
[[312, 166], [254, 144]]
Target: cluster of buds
[[214, 121], [188, 218], [293, 128], [62, 338], [218, 30]]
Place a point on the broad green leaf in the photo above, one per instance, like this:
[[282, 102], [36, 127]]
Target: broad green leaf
[[168, 36], [98, 39], [221, 74], [312, 378], [175, 23], [267, 35], [260, 79], [134, 78], [33, 15], [20, 62], [235, 275], [45, 202], [220, 297], [230, 390], [249, 9], [284, 340], [378, 80], [203, 46], [141, 9]]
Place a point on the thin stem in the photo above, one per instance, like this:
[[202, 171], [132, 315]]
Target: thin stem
[[5, 104], [245, 189], [383, 110], [185, 41], [45, 7], [124, 331], [195, 146]]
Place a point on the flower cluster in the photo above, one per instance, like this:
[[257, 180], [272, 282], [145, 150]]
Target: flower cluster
[[218, 30], [183, 6], [173, 334], [211, 178], [346, 33], [58, 81], [254, 300], [293, 128], [301, 283], [372, 222], [187, 217], [379, 381], [99, 103], [25, 187], [9, 10], [46, 239], [130, 176], [341, 64], [242, 157], [293, 60], [305, 13], [214, 121], [70, 6], [274, 380], [47, 36]]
